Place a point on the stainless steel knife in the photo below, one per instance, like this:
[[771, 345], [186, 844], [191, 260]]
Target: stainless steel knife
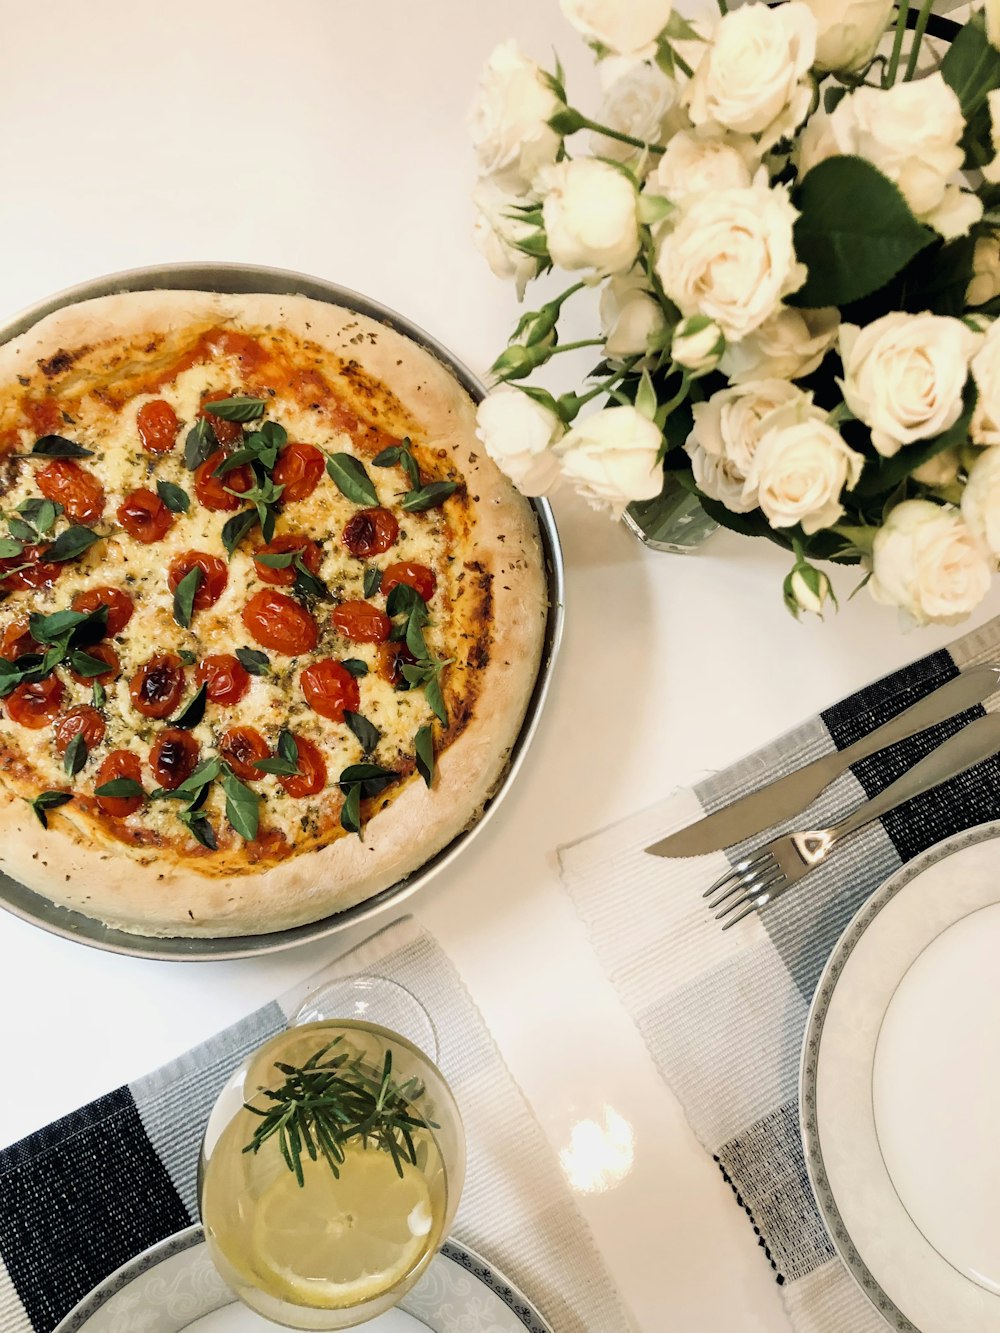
[[786, 796]]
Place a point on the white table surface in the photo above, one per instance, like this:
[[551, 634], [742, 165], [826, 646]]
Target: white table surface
[[329, 138]]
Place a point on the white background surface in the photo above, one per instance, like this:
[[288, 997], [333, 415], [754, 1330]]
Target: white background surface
[[329, 137]]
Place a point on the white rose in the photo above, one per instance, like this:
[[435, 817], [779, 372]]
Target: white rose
[[985, 425], [789, 345], [697, 344], [630, 316], [612, 458], [991, 10], [629, 29], [981, 500], [941, 470], [849, 31], [801, 467], [725, 434], [985, 283], [904, 375], [730, 256], [637, 103], [508, 121], [695, 162], [991, 171], [495, 232], [518, 434], [754, 75], [911, 132], [589, 212], [927, 562]]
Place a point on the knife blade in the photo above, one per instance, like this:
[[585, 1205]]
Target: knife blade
[[786, 796]]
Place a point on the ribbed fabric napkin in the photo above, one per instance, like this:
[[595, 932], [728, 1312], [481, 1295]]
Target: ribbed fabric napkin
[[723, 1014], [85, 1194]]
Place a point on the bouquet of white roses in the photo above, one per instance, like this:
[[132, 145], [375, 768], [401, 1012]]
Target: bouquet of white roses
[[793, 213]]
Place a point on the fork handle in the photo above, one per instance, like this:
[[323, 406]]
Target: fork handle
[[974, 743]]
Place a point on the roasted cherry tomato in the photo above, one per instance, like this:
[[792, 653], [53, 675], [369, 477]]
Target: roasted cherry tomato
[[330, 689], [76, 721], [212, 492], [228, 433], [225, 678], [120, 606], [157, 686], [173, 758], [241, 748], [44, 415], [278, 622], [361, 622], [370, 532], [104, 653], [144, 516], [214, 576], [418, 577], [311, 777], [72, 486], [36, 573], [34, 704], [299, 469], [391, 658], [158, 426], [17, 640], [288, 541], [119, 764]]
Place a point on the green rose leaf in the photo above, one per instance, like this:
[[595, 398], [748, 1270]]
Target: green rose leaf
[[971, 66]]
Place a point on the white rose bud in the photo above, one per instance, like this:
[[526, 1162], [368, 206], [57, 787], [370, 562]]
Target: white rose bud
[[985, 426], [730, 256], [981, 500], [927, 562], [985, 283], [727, 429], [629, 29], [939, 471], [636, 103], [698, 161], [697, 344], [849, 31], [508, 121], [904, 375], [518, 434], [630, 316], [496, 232], [589, 214], [801, 467], [754, 75], [612, 458], [789, 345], [807, 589]]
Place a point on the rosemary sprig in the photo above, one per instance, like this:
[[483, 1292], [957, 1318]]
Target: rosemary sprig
[[325, 1103]]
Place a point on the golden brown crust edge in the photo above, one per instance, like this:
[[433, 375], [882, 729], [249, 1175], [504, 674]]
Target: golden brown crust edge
[[156, 895]]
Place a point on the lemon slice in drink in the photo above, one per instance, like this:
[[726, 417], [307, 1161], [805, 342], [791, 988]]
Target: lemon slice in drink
[[334, 1242]]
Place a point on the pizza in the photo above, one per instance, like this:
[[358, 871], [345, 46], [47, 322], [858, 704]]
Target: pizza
[[270, 617]]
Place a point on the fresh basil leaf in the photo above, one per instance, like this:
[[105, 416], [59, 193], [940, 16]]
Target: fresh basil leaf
[[205, 774], [276, 559], [41, 513], [188, 658], [306, 582], [265, 517], [236, 528], [84, 665], [234, 460], [76, 754], [355, 666], [57, 446], [200, 444], [403, 600], [386, 457], [71, 544], [400, 453], [237, 408], [48, 800], [428, 497], [273, 763], [350, 813], [351, 479], [199, 828], [192, 714], [288, 747], [242, 807], [21, 531], [371, 778], [174, 497], [50, 629], [9, 549], [120, 788], [435, 697], [415, 638], [373, 581], [367, 733], [100, 696], [184, 595], [253, 661], [423, 744]]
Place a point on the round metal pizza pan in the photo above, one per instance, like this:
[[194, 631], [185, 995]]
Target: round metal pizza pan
[[248, 278]]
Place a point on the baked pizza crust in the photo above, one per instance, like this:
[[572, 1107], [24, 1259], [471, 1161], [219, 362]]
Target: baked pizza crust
[[158, 893]]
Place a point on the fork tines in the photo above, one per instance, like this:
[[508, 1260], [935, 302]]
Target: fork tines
[[752, 879]]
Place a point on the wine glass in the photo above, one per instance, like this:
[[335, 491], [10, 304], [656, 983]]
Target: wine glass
[[333, 1160]]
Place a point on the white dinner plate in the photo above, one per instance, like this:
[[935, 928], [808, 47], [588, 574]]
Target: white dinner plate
[[173, 1287], [900, 1091]]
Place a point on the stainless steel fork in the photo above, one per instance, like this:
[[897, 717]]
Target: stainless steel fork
[[771, 870]]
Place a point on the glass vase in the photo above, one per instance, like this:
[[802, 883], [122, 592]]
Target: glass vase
[[674, 521]]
